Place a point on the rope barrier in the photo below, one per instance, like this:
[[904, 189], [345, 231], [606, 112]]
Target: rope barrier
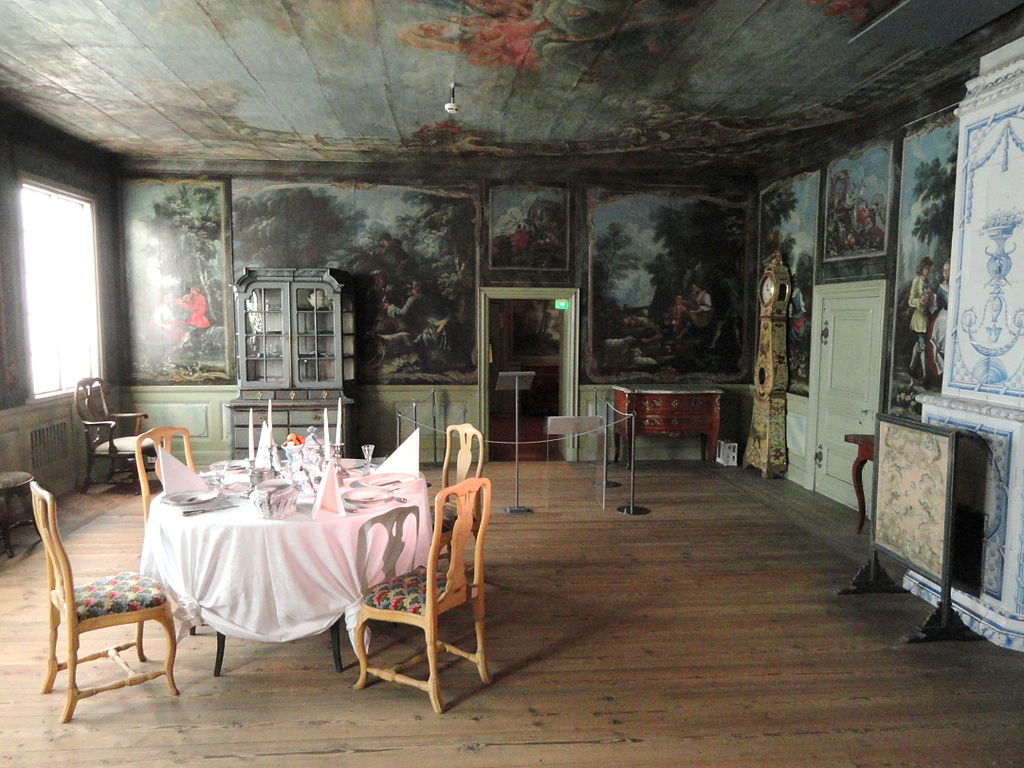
[[602, 428]]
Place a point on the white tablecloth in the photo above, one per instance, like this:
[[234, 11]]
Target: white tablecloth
[[279, 580]]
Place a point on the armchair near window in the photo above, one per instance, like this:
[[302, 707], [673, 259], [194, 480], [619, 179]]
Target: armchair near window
[[102, 440]]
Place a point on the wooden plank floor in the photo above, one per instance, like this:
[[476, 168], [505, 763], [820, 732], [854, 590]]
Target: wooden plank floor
[[707, 633]]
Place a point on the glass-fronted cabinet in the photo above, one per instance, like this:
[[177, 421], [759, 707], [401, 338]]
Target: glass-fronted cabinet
[[296, 345], [298, 329]]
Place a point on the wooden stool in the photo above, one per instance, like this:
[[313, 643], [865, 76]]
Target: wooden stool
[[14, 484]]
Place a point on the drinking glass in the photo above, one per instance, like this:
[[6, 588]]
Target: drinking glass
[[218, 471], [367, 453]]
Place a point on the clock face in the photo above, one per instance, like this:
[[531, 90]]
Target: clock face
[[767, 289]]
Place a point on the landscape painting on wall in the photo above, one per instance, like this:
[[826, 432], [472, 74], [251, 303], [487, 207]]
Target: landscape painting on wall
[[179, 304], [666, 287], [412, 254], [789, 225], [921, 287], [529, 228], [857, 201]]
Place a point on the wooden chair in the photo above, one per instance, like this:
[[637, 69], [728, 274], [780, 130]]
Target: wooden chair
[[406, 599], [126, 598], [101, 428], [146, 444], [461, 440]]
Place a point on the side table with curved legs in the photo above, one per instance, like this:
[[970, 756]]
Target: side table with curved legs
[[865, 453]]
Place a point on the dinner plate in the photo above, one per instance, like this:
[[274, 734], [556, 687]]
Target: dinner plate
[[366, 497], [233, 465], [387, 480], [189, 498]]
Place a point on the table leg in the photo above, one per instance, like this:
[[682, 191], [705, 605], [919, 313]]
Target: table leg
[[616, 439], [5, 525], [858, 489], [219, 661], [711, 453], [336, 643]]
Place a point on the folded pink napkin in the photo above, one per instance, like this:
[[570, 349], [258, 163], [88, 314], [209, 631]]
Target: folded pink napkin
[[176, 476]]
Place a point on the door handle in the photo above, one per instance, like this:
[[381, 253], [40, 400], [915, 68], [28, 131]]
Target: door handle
[[819, 455], [824, 333]]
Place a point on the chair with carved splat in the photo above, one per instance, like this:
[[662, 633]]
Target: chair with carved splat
[[421, 596], [126, 598], [150, 440], [463, 458], [102, 440]]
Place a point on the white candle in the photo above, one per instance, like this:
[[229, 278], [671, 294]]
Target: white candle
[[252, 438], [327, 435], [337, 427], [270, 416]]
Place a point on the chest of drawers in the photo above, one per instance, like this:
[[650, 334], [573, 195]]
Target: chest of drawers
[[673, 412]]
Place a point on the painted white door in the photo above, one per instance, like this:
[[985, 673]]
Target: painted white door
[[846, 378]]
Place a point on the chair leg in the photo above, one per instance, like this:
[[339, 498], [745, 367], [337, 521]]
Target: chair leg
[[336, 644], [87, 481], [138, 640], [52, 665], [72, 696], [481, 657], [360, 647], [219, 661], [172, 650], [433, 681]]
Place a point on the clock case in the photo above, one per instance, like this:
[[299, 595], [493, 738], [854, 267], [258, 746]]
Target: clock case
[[766, 445]]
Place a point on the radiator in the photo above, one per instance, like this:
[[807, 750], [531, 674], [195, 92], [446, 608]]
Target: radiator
[[48, 444]]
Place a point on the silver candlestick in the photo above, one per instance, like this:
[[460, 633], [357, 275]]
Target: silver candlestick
[[337, 454]]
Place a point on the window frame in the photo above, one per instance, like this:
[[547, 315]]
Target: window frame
[[52, 187]]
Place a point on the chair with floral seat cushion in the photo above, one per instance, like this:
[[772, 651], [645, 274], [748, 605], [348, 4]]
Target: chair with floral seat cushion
[[101, 431], [463, 457], [421, 596], [146, 444], [126, 598]]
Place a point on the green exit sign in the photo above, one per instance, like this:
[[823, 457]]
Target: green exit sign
[[561, 303]]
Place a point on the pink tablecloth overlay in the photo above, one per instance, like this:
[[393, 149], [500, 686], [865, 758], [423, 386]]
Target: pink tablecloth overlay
[[279, 580]]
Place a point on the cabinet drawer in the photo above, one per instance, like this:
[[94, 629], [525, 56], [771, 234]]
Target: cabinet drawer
[[670, 404], [305, 416], [675, 423]]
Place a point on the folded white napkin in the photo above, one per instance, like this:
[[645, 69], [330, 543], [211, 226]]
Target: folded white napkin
[[328, 502], [176, 476], [406, 457], [264, 450]]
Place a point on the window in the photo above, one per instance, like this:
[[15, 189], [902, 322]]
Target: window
[[59, 265]]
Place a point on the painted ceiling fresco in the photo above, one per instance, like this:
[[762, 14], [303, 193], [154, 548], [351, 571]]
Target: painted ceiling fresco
[[696, 81]]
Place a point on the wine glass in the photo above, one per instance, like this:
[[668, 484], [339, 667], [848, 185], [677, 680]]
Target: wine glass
[[367, 453], [218, 471]]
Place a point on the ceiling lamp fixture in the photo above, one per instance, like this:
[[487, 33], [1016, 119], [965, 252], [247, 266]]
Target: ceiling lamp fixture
[[451, 107]]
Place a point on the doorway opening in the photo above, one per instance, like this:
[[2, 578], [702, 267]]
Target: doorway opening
[[525, 335]]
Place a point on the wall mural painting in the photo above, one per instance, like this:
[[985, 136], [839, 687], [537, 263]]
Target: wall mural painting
[[666, 288], [857, 201], [179, 302], [529, 228], [412, 254], [789, 224], [921, 288]]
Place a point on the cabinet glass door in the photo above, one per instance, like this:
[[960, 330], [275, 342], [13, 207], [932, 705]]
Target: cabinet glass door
[[264, 324], [316, 336]]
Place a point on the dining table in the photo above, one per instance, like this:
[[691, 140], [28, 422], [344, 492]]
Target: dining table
[[276, 580]]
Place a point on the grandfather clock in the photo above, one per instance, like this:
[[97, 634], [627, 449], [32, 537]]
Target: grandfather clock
[[766, 445]]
